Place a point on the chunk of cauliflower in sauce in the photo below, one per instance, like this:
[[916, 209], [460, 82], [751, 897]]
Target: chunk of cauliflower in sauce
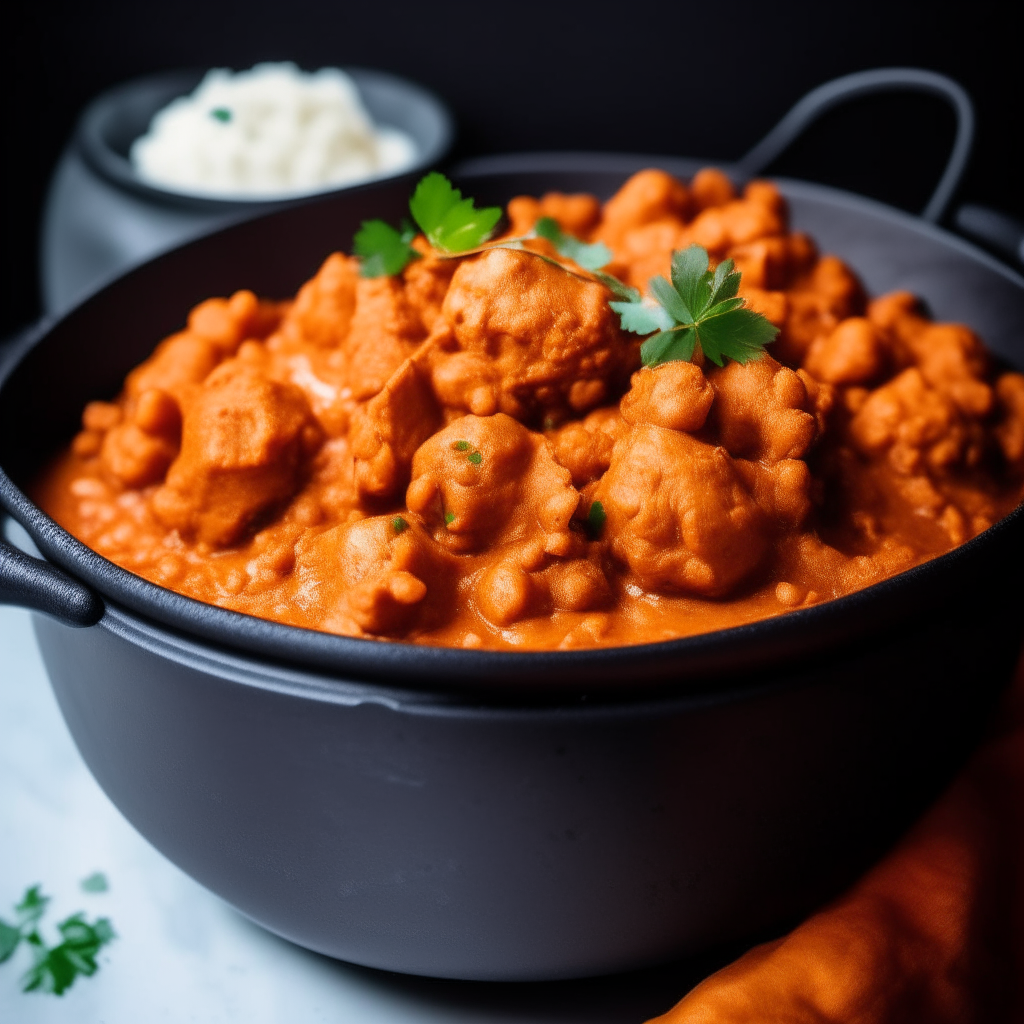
[[469, 453]]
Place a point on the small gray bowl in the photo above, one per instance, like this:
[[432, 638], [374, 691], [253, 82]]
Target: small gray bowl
[[101, 218]]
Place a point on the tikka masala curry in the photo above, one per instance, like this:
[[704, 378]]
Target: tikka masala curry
[[470, 453]]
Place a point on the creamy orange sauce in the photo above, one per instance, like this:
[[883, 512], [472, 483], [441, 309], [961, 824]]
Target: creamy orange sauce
[[420, 457]]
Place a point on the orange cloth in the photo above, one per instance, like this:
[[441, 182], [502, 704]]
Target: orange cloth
[[934, 934]]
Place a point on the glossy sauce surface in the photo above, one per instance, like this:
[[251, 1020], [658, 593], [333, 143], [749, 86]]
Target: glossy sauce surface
[[469, 453]]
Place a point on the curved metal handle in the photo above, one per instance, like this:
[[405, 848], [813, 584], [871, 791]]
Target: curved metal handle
[[865, 83], [33, 583], [996, 229]]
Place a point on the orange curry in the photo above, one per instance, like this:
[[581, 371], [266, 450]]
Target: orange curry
[[419, 457]]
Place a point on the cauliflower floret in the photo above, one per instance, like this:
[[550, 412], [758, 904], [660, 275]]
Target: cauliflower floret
[[854, 353], [819, 299], [245, 443], [762, 410], [533, 338], [487, 481], [386, 432], [576, 214], [508, 592], [177, 366], [426, 284], [1010, 430], [648, 196], [322, 312], [380, 576], [919, 427], [711, 187], [386, 330], [138, 450], [679, 515], [951, 357], [226, 323], [675, 395]]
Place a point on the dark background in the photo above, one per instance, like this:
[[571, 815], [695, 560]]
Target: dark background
[[703, 80]]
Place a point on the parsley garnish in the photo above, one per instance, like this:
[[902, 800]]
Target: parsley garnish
[[383, 249], [595, 520], [592, 256], [589, 256], [449, 518], [399, 525], [697, 315], [221, 114], [452, 224], [475, 457], [462, 446], [55, 968]]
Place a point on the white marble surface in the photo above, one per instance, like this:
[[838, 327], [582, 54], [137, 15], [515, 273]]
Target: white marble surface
[[183, 955]]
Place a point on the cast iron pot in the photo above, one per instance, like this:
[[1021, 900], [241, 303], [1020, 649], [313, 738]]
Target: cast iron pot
[[474, 814]]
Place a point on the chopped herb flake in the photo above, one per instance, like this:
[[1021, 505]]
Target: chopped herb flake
[[595, 520], [449, 518], [55, 968], [221, 114], [475, 457], [462, 446], [96, 882], [398, 524]]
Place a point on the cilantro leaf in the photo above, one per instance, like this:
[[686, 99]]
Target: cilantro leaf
[[382, 249], [32, 906], [698, 315], [671, 301], [691, 279], [589, 256], [641, 317], [740, 334], [676, 345], [55, 969], [451, 223], [9, 939]]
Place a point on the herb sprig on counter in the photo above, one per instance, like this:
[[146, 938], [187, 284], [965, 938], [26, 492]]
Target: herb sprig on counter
[[55, 968], [698, 315]]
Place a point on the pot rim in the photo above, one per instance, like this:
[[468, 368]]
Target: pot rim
[[90, 139], [668, 667]]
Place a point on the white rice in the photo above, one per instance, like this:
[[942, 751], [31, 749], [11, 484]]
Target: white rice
[[270, 132]]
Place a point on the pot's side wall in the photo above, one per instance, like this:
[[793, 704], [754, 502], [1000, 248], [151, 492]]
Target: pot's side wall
[[527, 844]]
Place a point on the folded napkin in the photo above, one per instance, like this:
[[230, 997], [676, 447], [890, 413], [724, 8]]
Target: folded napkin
[[934, 934]]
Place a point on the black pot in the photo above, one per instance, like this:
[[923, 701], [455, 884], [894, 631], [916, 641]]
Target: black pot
[[474, 814]]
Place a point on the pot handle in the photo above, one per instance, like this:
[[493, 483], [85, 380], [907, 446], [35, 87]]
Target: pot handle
[[865, 83], [34, 583], [998, 230]]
